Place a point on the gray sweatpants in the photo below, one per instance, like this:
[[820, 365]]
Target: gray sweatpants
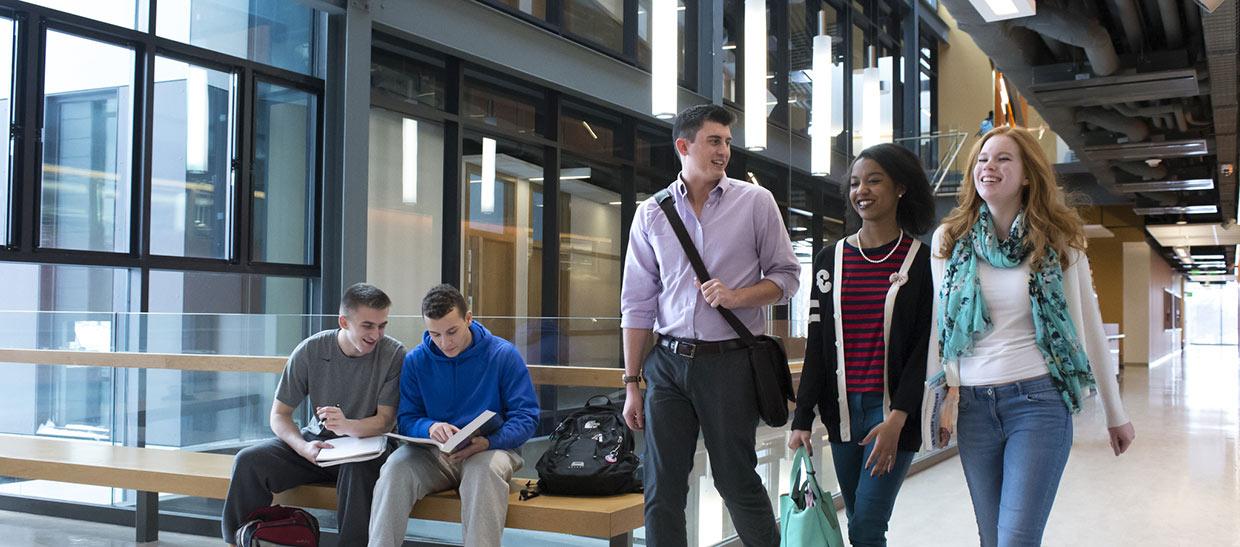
[[714, 394], [413, 472], [272, 466]]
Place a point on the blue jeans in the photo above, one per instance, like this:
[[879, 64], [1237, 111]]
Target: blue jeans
[[868, 501], [1014, 441]]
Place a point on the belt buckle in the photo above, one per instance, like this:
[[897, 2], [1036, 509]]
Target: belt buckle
[[691, 349]]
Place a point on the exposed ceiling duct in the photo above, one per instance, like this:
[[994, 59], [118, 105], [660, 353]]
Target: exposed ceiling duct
[[1141, 90], [1135, 129], [1165, 186]]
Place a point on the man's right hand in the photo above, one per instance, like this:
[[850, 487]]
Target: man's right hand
[[634, 412], [442, 431], [310, 450], [799, 438]]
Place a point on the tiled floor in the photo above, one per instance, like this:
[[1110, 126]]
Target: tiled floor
[[1178, 485]]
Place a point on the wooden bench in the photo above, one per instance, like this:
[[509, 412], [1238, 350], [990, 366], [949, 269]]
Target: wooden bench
[[153, 470]]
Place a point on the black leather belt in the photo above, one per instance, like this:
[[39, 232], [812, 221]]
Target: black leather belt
[[692, 348]]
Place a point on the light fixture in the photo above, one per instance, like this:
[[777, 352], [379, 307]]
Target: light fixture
[[409, 161], [753, 178], [755, 74], [1181, 252], [820, 99], [664, 52], [488, 175], [870, 108], [998, 10], [590, 129], [197, 110], [1182, 220]]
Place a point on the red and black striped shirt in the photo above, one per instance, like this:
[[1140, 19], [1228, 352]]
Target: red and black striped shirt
[[862, 300]]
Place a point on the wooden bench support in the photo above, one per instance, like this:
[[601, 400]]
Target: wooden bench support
[[146, 517], [622, 540]]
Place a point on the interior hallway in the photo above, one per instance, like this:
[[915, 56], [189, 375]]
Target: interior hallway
[[1178, 485]]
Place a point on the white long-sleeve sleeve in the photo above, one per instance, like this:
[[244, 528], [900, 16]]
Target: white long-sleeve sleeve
[[1083, 306]]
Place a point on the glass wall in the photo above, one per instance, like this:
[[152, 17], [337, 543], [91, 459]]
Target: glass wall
[[404, 220], [285, 169], [192, 180], [620, 28], [87, 148]]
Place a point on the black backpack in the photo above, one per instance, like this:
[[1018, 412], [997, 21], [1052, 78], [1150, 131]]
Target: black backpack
[[591, 454]]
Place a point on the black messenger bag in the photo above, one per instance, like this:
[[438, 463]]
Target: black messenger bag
[[772, 380]]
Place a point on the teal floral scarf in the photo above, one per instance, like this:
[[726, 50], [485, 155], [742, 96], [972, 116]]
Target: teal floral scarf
[[963, 315]]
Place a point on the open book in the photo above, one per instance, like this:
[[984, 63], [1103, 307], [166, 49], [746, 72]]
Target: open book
[[485, 424], [351, 449], [932, 410]]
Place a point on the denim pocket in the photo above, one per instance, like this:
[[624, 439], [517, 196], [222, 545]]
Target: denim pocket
[[1051, 395]]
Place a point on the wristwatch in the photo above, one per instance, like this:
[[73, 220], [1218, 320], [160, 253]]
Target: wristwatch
[[631, 379]]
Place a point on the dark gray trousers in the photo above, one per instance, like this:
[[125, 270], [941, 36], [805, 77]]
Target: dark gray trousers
[[713, 394], [272, 466]]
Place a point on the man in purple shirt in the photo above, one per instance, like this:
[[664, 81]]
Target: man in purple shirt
[[697, 376]]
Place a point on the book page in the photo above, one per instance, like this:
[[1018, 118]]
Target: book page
[[351, 449]]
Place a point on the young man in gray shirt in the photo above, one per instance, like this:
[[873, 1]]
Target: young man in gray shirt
[[351, 376]]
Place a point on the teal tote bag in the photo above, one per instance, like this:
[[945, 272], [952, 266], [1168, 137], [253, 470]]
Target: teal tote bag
[[807, 515]]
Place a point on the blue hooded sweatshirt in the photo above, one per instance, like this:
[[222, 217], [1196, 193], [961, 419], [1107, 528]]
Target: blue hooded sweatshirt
[[488, 375]]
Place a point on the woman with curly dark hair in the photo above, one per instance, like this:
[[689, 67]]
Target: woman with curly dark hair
[[869, 326]]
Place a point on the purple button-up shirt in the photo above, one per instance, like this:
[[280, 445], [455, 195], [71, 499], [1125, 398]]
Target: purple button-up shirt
[[742, 240]]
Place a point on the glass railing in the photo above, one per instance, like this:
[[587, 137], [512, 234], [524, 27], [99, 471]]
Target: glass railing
[[97, 396]]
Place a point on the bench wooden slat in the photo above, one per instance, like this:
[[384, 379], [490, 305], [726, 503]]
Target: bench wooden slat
[[207, 475]]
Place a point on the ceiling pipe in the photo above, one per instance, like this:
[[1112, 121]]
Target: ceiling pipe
[[1192, 18], [1181, 121], [1135, 129], [1087, 34], [1192, 120], [1157, 121], [1171, 23], [1059, 50], [1141, 169], [1130, 20]]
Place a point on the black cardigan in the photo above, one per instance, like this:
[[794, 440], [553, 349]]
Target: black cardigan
[[906, 350]]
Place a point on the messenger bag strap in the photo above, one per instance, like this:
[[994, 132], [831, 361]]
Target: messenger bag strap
[[668, 204]]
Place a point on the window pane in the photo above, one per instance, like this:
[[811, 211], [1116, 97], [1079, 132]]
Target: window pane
[[285, 129], [411, 80], [84, 297], [6, 115], [274, 33], [599, 20], [589, 211], [502, 235], [191, 185], [132, 14], [537, 8], [87, 148], [590, 133], [502, 108], [405, 199], [732, 27], [213, 313], [654, 150]]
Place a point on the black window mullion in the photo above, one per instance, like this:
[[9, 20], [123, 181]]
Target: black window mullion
[[27, 105], [453, 178], [630, 30], [143, 136], [243, 167]]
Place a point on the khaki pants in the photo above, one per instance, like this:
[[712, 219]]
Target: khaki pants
[[413, 472]]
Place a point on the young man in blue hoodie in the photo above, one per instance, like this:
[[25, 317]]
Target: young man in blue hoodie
[[459, 370]]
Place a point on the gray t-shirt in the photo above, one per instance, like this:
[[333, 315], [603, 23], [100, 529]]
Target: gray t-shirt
[[318, 369]]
